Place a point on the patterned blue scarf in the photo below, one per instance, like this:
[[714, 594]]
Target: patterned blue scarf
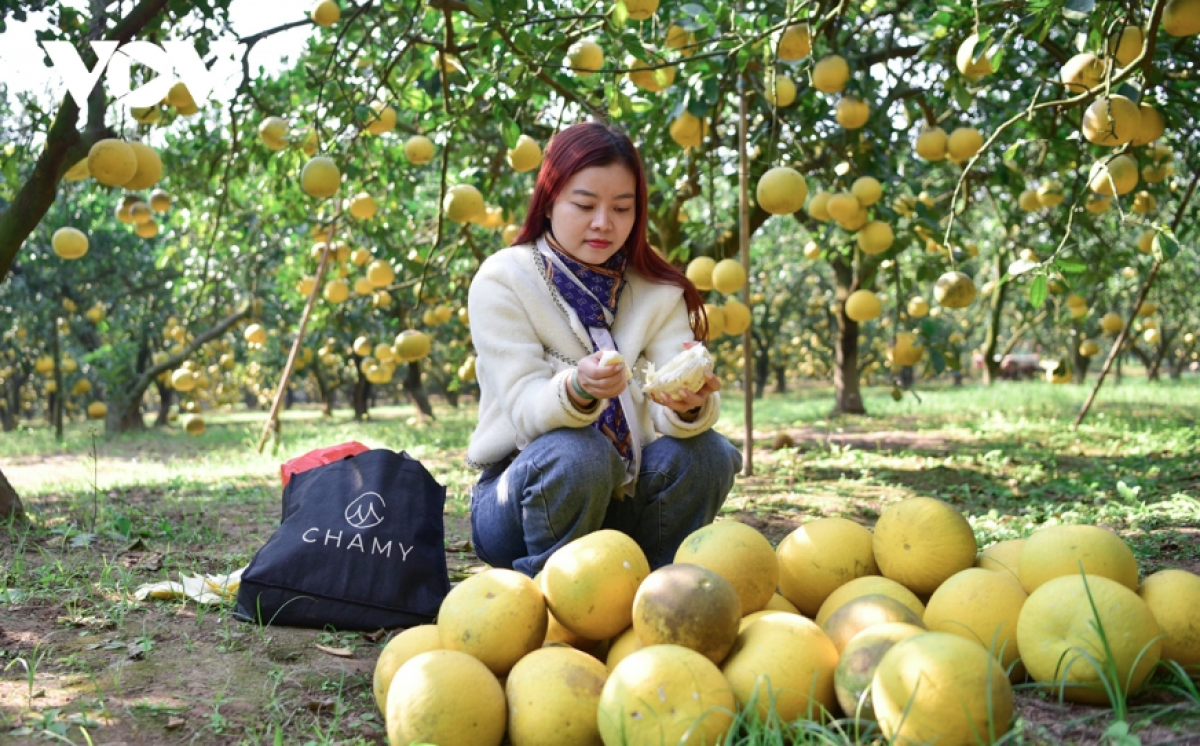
[[605, 281]]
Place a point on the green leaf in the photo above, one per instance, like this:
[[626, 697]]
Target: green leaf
[[509, 130], [164, 257], [1021, 266], [937, 360], [481, 9], [1165, 247], [416, 99], [620, 15], [694, 10], [1038, 291], [1071, 266]]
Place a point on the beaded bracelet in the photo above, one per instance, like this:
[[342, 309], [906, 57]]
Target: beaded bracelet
[[579, 389]]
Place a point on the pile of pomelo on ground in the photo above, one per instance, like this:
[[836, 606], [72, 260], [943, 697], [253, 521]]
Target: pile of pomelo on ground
[[907, 625]]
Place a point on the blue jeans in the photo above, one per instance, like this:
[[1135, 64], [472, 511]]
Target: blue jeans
[[560, 488]]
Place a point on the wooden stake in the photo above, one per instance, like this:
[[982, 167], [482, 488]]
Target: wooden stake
[[744, 243]]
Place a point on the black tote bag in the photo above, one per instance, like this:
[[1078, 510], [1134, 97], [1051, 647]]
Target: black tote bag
[[360, 547]]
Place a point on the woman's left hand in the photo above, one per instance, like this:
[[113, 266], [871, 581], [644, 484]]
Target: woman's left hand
[[690, 399]]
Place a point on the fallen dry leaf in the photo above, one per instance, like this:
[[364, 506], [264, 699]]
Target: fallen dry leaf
[[339, 652], [174, 722]]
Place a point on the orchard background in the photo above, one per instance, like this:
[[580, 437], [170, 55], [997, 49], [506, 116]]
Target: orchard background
[[140, 381]]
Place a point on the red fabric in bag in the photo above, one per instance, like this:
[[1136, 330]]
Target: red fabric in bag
[[320, 457]]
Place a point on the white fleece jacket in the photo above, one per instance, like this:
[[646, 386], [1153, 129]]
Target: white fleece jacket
[[528, 341]]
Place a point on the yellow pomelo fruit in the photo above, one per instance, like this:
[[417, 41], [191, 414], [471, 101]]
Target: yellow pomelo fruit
[[857, 664], [553, 695], [69, 243], [362, 346], [939, 688], [497, 616], [180, 97], [795, 43], [463, 203], [44, 364], [755, 616], [383, 119], [781, 191], [679, 38], [918, 308], [688, 605], [1097, 204], [842, 206], [740, 555], [1003, 557], [932, 144], [1111, 121], [1112, 323], [875, 237], [383, 352], [1088, 348], [665, 694], [78, 172], [1118, 175], [954, 290], [1173, 597], [906, 350], [982, 606], [1057, 632], [149, 168], [1151, 125], [418, 149], [972, 59], [585, 57], [590, 583], [380, 273], [399, 650], [700, 272], [921, 541], [336, 291], [97, 410], [1181, 17], [1151, 336], [653, 79], [412, 345], [779, 90], [1126, 44], [444, 697], [526, 155], [852, 112], [737, 320], [362, 206], [812, 250], [273, 131], [326, 13], [183, 380], [555, 632], [112, 162], [621, 647], [830, 74], [140, 212], [865, 612], [785, 662], [147, 229], [509, 234], [320, 177], [820, 557], [963, 143], [818, 206], [728, 276], [193, 424], [360, 257], [1056, 551], [1082, 72], [1144, 202], [867, 190], [160, 200], [255, 333], [863, 305], [688, 130]]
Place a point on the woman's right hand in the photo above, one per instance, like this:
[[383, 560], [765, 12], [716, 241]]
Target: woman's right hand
[[601, 381]]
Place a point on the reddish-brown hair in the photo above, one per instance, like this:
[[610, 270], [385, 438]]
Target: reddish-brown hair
[[591, 144]]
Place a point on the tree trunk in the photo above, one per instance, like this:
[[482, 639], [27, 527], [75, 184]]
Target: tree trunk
[[10, 407], [325, 391], [165, 395], [847, 399], [1079, 363], [991, 339], [416, 394], [361, 398], [762, 369], [1164, 344], [780, 379], [10, 502]]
